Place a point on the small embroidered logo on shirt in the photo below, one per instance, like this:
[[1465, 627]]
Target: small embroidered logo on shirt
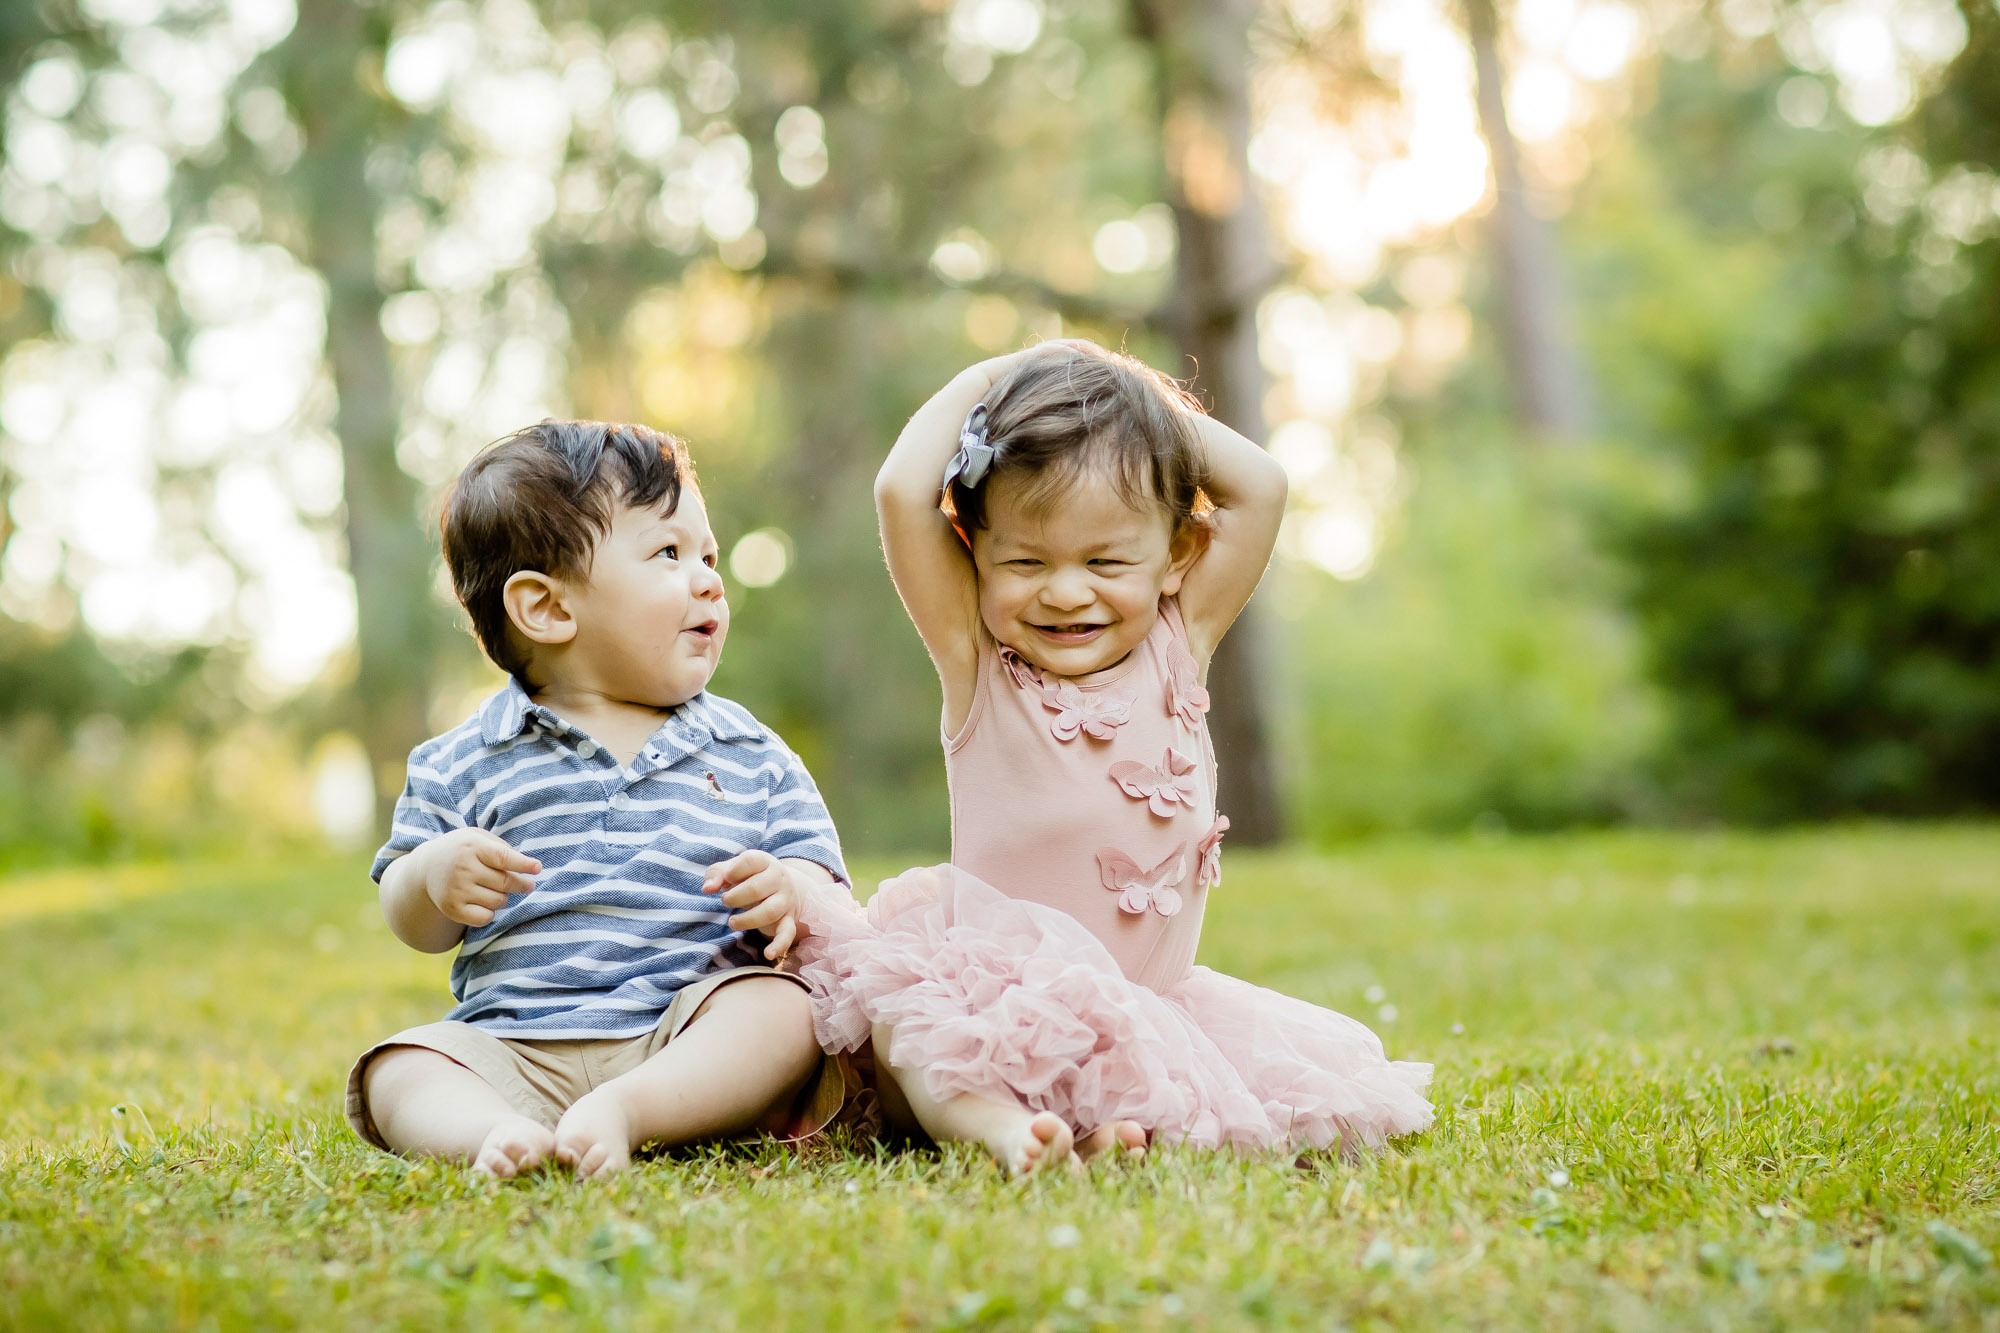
[[715, 792]]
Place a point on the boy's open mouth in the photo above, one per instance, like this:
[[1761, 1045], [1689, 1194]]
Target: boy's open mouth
[[705, 630]]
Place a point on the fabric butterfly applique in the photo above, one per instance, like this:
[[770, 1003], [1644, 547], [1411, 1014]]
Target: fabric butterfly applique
[[1027, 676], [1209, 849], [1098, 714], [1139, 889], [1187, 698], [1162, 788]]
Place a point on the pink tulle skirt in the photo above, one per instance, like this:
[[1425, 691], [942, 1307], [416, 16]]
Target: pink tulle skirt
[[1009, 999]]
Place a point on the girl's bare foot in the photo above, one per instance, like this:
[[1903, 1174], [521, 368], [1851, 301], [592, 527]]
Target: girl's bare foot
[[514, 1146], [594, 1137], [1033, 1141], [1121, 1138]]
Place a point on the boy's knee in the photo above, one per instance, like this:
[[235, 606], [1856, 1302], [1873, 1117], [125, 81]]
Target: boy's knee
[[786, 1004], [396, 1072], [780, 1009]]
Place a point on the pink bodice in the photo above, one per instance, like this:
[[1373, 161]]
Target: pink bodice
[[1095, 795]]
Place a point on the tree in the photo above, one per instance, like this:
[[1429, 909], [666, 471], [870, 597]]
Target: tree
[[1223, 268], [1822, 603], [399, 624], [1550, 393]]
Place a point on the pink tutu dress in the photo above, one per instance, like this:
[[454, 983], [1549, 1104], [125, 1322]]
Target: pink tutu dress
[[1052, 961]]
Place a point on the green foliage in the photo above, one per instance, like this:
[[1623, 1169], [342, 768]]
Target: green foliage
[[1822, 601], [1701, 1082], [1827, 611], [103, 759], [1481, 672]]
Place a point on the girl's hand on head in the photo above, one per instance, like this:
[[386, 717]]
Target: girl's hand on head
[[998, 368], [1248, 489]]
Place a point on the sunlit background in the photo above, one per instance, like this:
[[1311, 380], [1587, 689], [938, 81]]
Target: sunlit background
[[582, 212]]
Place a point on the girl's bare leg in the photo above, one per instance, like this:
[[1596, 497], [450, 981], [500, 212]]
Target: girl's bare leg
[[1020, 1140], [1128, 1137]]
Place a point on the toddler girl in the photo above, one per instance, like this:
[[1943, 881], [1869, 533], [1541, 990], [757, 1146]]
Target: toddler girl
[[1096, 536]]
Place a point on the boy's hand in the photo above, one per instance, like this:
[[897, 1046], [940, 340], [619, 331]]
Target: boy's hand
[[770, 892], [469, 874]]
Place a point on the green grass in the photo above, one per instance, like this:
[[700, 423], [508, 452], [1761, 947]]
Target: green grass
[[1683, 1082]]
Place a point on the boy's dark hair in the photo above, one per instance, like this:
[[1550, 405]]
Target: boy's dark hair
[[1066, 410], [542, 499]]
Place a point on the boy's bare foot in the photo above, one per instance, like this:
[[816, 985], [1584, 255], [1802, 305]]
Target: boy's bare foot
[[1126, 1137], [1033, 1141], [594, 1137], [514, 1146]]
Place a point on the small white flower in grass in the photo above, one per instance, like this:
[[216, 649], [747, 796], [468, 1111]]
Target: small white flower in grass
[[1458, 1029], [1558, 1178], [1064, 1237], [1387, 1013], [1375, 995], [851, 1187]]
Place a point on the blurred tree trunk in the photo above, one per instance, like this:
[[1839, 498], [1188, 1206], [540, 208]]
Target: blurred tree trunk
[[1223, 268], [388, 551], [1550, 395]]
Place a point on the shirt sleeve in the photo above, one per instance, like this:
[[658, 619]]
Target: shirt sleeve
[[797, 826], [424, 810]]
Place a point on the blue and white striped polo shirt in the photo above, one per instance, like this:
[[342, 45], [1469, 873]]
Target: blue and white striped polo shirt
[[617, 922]]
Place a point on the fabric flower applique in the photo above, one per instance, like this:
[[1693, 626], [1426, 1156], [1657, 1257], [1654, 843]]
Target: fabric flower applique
[[1139, 889], [1097, 714], [1024, 674], [1187, 698], [1209, 849], [1169, 784]]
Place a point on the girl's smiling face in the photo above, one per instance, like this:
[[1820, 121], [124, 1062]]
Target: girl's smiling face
[[1075, 586]]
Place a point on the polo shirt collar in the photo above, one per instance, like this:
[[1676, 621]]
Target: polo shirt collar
[[502, 717], [692, 727]]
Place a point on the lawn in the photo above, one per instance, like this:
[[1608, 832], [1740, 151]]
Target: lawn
[[1684, 1081]]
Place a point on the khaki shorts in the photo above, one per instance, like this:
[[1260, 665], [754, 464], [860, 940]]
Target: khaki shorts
[[542, 1079]]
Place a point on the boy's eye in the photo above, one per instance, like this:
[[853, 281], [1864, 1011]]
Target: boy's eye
[[709, 560], [1105, 562], [670, 551]]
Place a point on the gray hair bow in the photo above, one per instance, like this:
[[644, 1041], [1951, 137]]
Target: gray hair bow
[[975, 456]]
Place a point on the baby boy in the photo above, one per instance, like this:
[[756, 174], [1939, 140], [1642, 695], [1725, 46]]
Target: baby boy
[[585, 837]]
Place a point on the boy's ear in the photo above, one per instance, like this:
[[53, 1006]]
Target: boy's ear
[[537, 605], [1188, 546]]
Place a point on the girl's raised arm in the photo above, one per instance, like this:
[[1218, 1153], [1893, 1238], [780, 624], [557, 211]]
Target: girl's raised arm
[[1248, 488], [931, 566]]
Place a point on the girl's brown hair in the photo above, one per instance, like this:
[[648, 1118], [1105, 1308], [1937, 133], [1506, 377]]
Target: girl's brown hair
[[1082, 406]]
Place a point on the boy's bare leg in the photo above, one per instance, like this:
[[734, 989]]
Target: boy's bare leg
[[747, 1051], [429, 1105], [1020, 1140]]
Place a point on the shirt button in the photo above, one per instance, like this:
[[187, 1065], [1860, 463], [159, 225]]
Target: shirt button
[[586, 749], [620, 801]]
